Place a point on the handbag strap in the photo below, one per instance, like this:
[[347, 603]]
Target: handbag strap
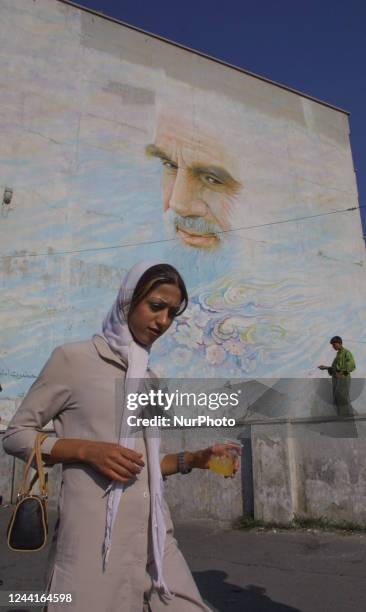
[[25, 489]]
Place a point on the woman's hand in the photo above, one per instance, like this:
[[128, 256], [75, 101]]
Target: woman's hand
[[201, 458], [112, 460]]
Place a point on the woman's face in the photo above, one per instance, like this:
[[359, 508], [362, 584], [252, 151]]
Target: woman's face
[[155, 313]]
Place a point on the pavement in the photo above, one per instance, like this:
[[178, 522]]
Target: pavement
[[241, 571]]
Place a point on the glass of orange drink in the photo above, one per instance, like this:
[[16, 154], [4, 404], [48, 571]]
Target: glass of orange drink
[[224, 464]]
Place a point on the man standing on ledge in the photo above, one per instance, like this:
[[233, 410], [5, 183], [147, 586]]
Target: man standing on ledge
[[340, 371]]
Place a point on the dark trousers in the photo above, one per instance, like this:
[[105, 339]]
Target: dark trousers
[[341, 398]]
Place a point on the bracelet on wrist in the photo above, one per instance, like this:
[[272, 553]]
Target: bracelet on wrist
[[181, 463]]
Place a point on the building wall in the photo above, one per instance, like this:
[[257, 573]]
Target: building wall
[[107, 132]]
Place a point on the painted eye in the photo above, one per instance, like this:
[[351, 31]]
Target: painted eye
[[169, 165], [211, 180]]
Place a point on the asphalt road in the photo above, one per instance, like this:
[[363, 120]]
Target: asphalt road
[[246, 571], [288, 571]]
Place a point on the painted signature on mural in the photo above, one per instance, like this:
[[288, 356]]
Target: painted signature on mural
[[16, 374]]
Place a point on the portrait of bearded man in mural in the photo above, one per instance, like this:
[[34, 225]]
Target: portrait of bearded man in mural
[[203, 184], [200, 182]]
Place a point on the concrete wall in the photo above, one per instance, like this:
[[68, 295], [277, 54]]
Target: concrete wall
[[300, 470], [111, 140], [311, 471]]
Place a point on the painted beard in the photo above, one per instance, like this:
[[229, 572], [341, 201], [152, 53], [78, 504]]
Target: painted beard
[[200, 266]]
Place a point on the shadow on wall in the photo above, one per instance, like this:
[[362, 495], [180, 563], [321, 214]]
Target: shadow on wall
[[221, 595], [298, 397]]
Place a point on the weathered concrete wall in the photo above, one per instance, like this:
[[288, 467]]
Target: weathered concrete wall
[[117, 146], [313, 470], [272, 474], [300, 470]]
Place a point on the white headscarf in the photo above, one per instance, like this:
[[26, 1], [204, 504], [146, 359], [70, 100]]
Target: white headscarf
[[116, 332]]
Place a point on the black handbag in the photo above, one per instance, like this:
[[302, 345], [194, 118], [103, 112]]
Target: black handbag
[[28, 527]]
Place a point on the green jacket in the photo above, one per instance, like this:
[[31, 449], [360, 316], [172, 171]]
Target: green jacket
[[343, 362]]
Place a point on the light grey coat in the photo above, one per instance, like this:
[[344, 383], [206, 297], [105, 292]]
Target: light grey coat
[[80, 390]]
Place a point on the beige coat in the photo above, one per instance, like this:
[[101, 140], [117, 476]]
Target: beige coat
[[80, 389]]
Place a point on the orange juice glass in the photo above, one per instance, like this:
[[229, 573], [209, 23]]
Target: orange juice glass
[[222, 464]]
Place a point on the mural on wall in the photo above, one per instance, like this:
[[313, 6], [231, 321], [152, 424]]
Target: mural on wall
[[112, 161]]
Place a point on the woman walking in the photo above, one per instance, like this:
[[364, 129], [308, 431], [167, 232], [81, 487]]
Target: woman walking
[[115, 548]]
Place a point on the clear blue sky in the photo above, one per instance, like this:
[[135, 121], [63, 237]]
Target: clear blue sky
[[315, 46]]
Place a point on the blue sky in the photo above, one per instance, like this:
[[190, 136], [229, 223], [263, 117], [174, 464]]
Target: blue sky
[[315, 46]]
